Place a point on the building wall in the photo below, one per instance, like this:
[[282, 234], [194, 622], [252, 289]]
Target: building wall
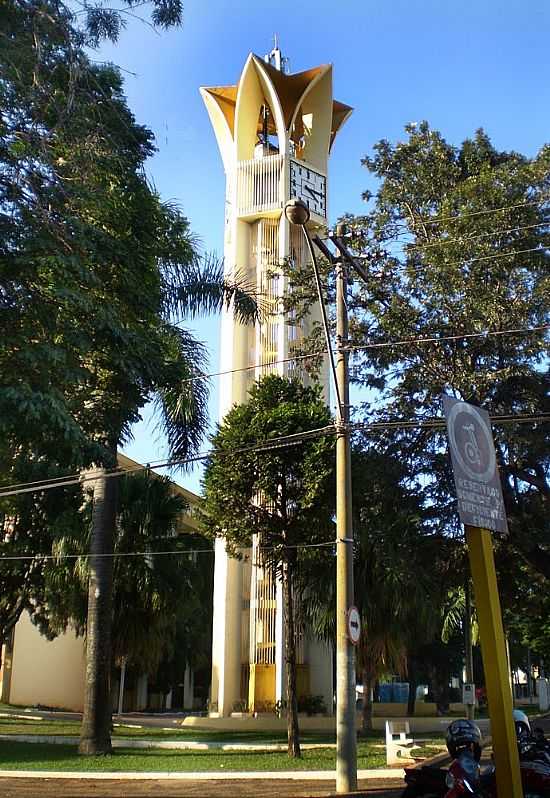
[[319, 657], [47, 672]]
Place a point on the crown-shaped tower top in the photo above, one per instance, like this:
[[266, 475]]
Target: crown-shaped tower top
[[292, 114]]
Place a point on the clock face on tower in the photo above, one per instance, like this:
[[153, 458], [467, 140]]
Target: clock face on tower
[[308, 186]]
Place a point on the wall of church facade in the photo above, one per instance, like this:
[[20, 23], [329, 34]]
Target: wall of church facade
[[47, 672]]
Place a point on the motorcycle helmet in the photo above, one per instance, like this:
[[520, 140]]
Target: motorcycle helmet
[[521, 722], [463, 735]]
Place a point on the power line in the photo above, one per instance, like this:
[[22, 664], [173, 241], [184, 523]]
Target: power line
[[462, 240], [279, 443], [467, 261], [373, 345], [422, 269], [484, 211], [110, 555], [444, 338], [76, 477], [92, 474], [175, 552]]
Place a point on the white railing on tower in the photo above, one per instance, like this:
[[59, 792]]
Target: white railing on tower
[[260, 185]]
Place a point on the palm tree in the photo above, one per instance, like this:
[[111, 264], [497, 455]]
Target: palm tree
[[154, 595], [180, 396], [388, 591]]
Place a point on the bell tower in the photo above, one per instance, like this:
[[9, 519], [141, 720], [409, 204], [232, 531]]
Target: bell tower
[[274, 131]]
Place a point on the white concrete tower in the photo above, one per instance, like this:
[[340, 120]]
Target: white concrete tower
[[274, 132]]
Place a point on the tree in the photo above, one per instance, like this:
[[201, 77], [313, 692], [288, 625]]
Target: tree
[[457, 245], [284, 495], [27, 531], [159, 588], [96, 275], [397, 563]]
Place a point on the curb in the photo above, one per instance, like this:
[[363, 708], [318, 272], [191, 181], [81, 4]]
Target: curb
[[183, 745], [293, 775]]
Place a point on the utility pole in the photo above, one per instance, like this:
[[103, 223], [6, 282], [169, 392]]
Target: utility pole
[[470, 708], [346, 737]]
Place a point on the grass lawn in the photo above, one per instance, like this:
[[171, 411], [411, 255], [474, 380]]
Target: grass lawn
[[39, 756], [72, 728]]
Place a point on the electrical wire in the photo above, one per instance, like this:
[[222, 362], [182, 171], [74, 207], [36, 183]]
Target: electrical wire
[[175, 552], [93, 474], [373, 345], [483, 211], [423, 268], [467, 261], [76, 477], [446, 241], [109, 555], [460, 240], [277, 443], [443, 338]]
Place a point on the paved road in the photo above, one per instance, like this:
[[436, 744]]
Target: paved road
[[112, 788]]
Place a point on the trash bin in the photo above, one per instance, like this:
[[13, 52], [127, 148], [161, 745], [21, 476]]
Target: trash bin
[[385, 692]]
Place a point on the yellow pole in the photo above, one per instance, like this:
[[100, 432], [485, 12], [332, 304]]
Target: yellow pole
[[495, 663]]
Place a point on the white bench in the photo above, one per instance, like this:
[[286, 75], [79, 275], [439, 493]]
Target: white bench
[[398, 742]]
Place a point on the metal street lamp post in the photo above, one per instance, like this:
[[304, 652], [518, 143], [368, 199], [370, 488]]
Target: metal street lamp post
[[346, 742]]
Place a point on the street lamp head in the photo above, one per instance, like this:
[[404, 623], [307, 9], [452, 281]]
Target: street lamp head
[[341, 230], [297, 212]]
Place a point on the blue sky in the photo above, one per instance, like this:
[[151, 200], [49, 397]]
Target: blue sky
[[459, 65]]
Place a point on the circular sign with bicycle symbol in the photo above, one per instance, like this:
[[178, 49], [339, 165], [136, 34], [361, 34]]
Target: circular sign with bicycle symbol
[[471, 442]]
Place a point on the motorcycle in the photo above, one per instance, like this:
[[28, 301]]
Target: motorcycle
[[426, 780], [464, 777], [534, 762]]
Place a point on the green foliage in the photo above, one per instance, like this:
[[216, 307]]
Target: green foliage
[[312, 705], [455, 243], [401, 571], [29, 524], [449, 242], [89, 262], [162, 602], [283, 494], [90, 256], [96, 274]]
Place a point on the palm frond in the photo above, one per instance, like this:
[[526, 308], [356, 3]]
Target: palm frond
[[454, 616], [182, 402], [202, 287]]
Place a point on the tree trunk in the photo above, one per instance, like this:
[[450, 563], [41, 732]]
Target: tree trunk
[[6, 676], [293, 730], [368, 684], [7, 626], [95, 736], [413, 679]]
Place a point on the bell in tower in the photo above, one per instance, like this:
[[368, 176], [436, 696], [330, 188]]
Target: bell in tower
[[274, 131]]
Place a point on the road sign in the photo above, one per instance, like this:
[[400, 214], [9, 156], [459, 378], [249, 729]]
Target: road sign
[[477, 480], [354, 625]]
